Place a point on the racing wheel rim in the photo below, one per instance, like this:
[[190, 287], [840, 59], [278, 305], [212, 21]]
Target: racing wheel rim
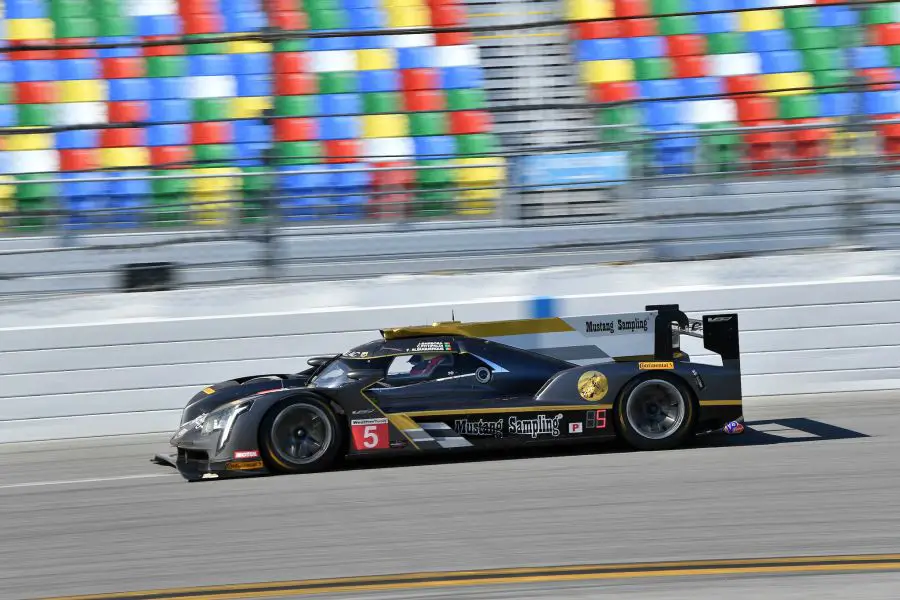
[[301, 434], [655, 409]]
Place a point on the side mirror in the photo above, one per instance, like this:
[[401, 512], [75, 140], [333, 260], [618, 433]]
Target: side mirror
[[361, 374], [483, 375], [318, 360]]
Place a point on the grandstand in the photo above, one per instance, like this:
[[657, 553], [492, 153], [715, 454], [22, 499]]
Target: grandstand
[[132, 114]]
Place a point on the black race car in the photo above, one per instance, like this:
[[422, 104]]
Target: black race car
[[455, 386]]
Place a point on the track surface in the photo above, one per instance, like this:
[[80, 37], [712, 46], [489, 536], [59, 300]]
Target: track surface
[[96, 516]]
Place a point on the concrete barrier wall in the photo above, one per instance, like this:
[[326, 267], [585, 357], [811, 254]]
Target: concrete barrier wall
[[120, 364]]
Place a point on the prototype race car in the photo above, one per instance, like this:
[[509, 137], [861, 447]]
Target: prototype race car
[[454, 386]]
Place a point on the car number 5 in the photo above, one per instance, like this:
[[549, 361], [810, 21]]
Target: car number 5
[[370, 434]]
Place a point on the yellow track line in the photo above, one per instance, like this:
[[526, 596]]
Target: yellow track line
[[807, 564]]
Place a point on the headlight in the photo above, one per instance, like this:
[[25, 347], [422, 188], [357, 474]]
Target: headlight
[[223, 418]]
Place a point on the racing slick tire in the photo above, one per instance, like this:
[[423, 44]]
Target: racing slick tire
[[301, 435], [655, 411]]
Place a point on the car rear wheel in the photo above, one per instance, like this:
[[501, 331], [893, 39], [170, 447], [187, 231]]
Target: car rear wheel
[[300, 435], [655, 412]]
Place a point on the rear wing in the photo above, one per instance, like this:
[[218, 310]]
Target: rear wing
[[719, 332]]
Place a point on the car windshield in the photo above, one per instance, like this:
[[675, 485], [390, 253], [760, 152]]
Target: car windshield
[[335, 373]]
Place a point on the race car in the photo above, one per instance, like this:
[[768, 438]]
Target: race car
[[455, 386]]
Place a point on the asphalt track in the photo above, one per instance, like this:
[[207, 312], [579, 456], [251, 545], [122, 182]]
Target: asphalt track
[[815, 476]]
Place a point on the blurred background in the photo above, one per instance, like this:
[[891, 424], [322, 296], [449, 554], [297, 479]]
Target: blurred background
[[161, 144]]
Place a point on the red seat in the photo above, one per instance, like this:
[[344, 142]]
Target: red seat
[[203, 23], [631, 8], [617, 91], [295, 84], [424, 100], [419, 79], [290, 62], [466, 122], [173, 50], [66, 54], [169, 157], [127, 111], [295, 129], [685, 45], [126, 67], [79, 159], [212, 132], [126, 137], [342, 151], [598, 30]]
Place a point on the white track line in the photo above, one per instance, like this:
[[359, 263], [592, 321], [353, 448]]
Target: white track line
[[77, 481]]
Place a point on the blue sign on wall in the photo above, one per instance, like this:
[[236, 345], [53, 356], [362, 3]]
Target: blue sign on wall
[[573, 171]]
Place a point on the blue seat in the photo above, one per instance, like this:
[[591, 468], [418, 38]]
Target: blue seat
[[240, 6], [368, 42], [661, 88], [83, 199], [605, 49], [781, 61], [168, 135], [837, 16], [123, 90], [254, 85], [77, 138], [325, 44], [300, 194], [339, 104], [245, 21], [717, 23], [881, 102], [769, 41], [367, 18], [250, 154], [119, 52], [379, 81], [171, 110], [9, 116], [703, 86], [836, 105], [255, 63], [339, 128], [354, 5], [353, 181], [661, 113], [25, 9], [421, 57], [169, 88], [127, 199], [453, 78], [209, 65], [78, 69], [6, 70], [868, 57], [148, 25], [434, 147], [645, 47], [252, 131], [35, 70], [709, 5]]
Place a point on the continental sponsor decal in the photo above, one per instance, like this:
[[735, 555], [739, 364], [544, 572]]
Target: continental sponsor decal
[[649, 366], [244, 465], [209, 390], [593, 386]]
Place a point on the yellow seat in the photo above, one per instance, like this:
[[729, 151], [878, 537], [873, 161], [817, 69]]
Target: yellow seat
[[82, 90], [607, 71], [761, 20], [485, 180], [247, 47], [29, 29], [249, 107], [385, 126], [213, 198], [376, 59], [120, 158], [7, 199], [589, 9], [408, 16], [788, 81], [28, 141]]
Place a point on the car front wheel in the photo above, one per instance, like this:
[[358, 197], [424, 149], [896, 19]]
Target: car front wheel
[[300, 435]]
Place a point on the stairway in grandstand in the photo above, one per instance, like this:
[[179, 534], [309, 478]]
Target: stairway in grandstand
[[527, 67]]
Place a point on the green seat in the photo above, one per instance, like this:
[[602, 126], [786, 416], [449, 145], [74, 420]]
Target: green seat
[[428, 123], [34, 115], [729, 42], [466, 99], [294, 106], [169, 206], [680, 25], [298, 153], [823, 59], [215, 155], [477, 144], [823, 79], [338, 82], [653, 68], [35, 202], [433, 198], [719, 153], [328, 19], [801, 106], [76, 27], [166, 66], [810, 38], [801, 17], [255, 189], [211, 109], [381, 102]]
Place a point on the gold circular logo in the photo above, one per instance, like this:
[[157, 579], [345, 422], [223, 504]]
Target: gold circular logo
[[592, 385]]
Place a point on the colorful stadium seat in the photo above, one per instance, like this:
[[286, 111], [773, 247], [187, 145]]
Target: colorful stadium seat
[[760, 57], [340, 106]]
